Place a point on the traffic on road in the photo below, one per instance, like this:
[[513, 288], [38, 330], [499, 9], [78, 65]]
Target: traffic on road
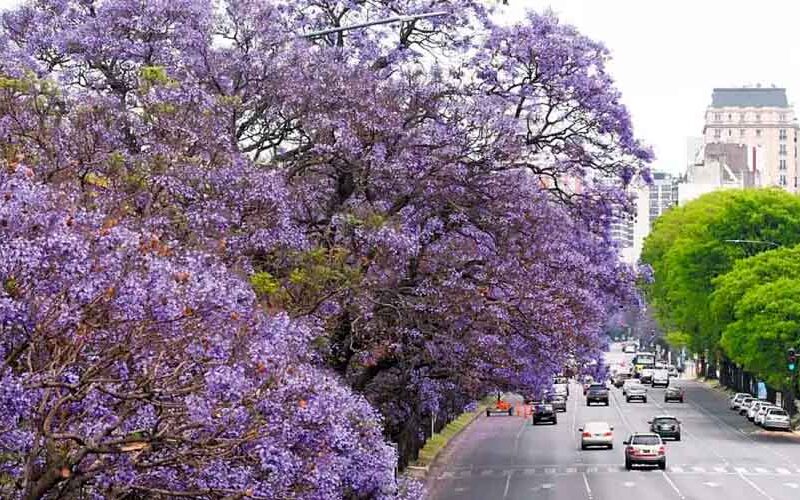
[[626, 438]]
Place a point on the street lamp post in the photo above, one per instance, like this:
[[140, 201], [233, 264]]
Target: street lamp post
[[389, 20]]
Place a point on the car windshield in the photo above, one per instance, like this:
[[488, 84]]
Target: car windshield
[[597, 386], [597, 427], [665, 420], [646, 440], [636, 386], [776, 412], [747, 401]]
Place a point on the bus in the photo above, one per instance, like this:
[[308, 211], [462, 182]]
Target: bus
[[643, 360]]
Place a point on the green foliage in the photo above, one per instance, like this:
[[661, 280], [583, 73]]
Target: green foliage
[[687, 250], [436, 443], [265, 284], [678, 339]]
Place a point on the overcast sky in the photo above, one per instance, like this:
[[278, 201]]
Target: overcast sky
[[669, 55]]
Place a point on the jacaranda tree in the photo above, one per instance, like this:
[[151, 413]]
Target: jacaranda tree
[[430, 207]]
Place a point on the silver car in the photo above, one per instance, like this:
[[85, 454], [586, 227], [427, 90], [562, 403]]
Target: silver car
[[753, 410], [736, 400], [777, 418], [597, 434], [645, 448], [762, 412], [636, 391]]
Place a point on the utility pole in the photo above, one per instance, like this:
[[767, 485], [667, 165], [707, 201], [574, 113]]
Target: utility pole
[[791, 364]]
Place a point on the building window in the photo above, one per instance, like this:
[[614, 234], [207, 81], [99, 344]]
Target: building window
[[783, 117], [741, 117], [741, 132], [758, 117], [717, 133], [782, 164], [782, 134], [717, 117], [730, 117], [782, 180], [782, 149], [730, 132], [758, 132]]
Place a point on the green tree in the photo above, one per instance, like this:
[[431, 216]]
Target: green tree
[[690, 247]]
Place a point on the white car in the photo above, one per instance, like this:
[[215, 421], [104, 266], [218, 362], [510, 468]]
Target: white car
[[777, 418], [762, 412], [629, 349], [673, 371], [736, 400], [660, 377], [627, 383], [753, 408], [646, 375], [597, 434]]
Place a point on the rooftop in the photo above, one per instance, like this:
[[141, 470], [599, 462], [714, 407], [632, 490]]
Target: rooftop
[[749, 97]]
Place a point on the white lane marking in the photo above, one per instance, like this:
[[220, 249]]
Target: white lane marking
[[753, 485], [508, 483], [460, 489], [549, 470], [529, 472], [517, 438], [446, 475], [591, 470], [711, 484], [669, 481], [721, 470], [621, 415], [612, 469], [794, 486], [761, 470], [571, 470], [487, 472], [677, 469], [547, 486], [586, 483], [629, 484], [740, 470], [781, 470], [700, 470]]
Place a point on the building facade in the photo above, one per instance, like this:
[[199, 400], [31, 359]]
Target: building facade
[[762, 121]]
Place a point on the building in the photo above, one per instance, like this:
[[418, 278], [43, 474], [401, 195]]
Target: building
[[652, 200], [716, 166], [761, 120]]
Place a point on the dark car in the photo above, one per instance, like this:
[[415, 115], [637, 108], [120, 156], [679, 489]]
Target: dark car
[[544, 412], [673, 394], [558, 401], [597, 393], [620, 379], [666, 426]]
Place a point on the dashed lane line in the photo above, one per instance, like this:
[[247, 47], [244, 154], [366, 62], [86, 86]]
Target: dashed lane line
[[588, 488]]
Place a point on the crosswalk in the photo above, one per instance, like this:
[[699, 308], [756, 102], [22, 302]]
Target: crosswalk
[[749, 470]]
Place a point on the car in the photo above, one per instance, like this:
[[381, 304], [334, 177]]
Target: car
[[627, 383], [777, 418], [744, 404], [620, 378], [660, 378], [673, 371], [660, 366], [646, 375], [753, 410], [587, 381], [636, 391], [558, 401], [597, 393], [597, 434], [762, 412], [645, 448], [544, 412], [666, 426], [673, 394], [500, 407], [629, 349], [736, 400]]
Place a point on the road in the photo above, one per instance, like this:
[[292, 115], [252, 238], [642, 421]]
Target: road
[[721, 455]]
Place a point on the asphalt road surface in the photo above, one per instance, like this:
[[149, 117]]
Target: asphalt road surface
[[721, 455]]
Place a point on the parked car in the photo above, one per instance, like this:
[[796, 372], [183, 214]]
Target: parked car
[[597, 393], [660, 378], [673, 394], [597, 434], [762, 412], [777, 418], [636, 391], [745, 404], [753, 410], [666, 426], [558, 401], [673, 371], [645, 448], [544, 412], [736, 400]]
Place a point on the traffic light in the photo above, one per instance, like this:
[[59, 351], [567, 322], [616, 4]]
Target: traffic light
[[791, 360]]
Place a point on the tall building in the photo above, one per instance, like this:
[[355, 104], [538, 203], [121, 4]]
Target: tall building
[[652, 200], [716, 166], [761, 120]]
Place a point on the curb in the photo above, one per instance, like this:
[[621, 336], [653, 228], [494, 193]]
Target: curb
[[420, 472]]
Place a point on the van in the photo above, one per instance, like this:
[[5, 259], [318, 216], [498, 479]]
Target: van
[[661, 377]]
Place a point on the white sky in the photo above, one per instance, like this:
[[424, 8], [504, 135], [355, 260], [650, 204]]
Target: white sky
[[669, 55]]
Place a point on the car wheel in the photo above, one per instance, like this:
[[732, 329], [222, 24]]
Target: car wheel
[[606, 402], [611, 447], [583, 446], [555, 421], [627, 400], [488, 413], [644, 400], [588, 404], [662, 465], [510, 412], [678, 437], [627, 463]]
